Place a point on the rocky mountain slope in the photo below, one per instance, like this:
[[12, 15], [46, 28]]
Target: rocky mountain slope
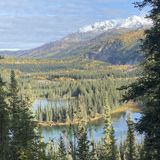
[[114, 41]]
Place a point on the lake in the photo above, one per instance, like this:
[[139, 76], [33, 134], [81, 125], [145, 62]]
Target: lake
[[95, 129]]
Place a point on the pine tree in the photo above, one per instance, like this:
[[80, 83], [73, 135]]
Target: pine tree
[[82, 152], [107, 133], [25, 142], [15, 116], [28, 139], [118, 157], [93, 153], [147, 88], [114, 150], [4, 122], [62, 149], [83, 145], [131, 153], [122, 151], [51, 148], [141, 151]]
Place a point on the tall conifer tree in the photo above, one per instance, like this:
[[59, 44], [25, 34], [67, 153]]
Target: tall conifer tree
[[107, 133], [131, 153], [147, 88], [83, 152], [114, 149], [15, 116], [4, 122], [93, 153], [25, 141], [62, 149]]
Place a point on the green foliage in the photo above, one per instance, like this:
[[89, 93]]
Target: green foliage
[[131, 150], [1, 57], [62, 149], [107, 130], [92, 95], [4, 122], [93, 152], [110, 148], [115, 155], [84, 90], [19, 139], [16, 111], [83, 145], [147, 88]]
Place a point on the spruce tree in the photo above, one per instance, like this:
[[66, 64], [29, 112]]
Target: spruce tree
[[93, 153], [110, 149], [83, 145], [30, 145], [4, 122], [114, 150], [141, 151], [147, 88], [15, 116], [25, 141], [122, 151], [131, 153], [62, 149], [107, 133], [82, 152]]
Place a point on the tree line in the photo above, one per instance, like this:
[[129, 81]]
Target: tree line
[[20, 141], [90, 95], [147, 87], [19, 138], [81, 148]]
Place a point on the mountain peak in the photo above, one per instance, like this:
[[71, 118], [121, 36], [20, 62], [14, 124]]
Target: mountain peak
[[133, 22]]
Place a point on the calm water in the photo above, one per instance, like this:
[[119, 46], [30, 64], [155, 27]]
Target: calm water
[[51, 103], [95, 130]]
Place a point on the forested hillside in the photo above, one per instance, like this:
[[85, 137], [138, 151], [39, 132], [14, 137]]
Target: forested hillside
[[79, 81], [77, 95], [87, 90], [117, 46]]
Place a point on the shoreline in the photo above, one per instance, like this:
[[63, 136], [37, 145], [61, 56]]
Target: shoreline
[[130, 106]]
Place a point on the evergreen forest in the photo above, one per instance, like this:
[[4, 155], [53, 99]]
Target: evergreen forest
[[82, 91]]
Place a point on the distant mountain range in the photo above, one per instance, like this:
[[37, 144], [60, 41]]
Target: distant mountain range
[[113, 41]]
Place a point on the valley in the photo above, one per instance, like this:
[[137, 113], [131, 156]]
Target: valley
[[63, 89], [72, 92]]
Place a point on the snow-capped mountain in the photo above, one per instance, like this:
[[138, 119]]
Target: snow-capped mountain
[[112, 41], [133, 22]]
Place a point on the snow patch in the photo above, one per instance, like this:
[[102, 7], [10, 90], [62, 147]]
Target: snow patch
[[133, 22]]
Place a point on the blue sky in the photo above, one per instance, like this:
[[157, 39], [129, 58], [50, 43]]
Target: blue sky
[[30, 23]]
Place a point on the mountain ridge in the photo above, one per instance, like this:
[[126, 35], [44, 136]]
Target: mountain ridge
[[114, 45]]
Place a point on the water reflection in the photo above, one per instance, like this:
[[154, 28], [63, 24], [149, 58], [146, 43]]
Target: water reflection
[[95, 130], [49, 103]]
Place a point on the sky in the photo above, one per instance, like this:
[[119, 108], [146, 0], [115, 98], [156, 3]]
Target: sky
[[27, 24]]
